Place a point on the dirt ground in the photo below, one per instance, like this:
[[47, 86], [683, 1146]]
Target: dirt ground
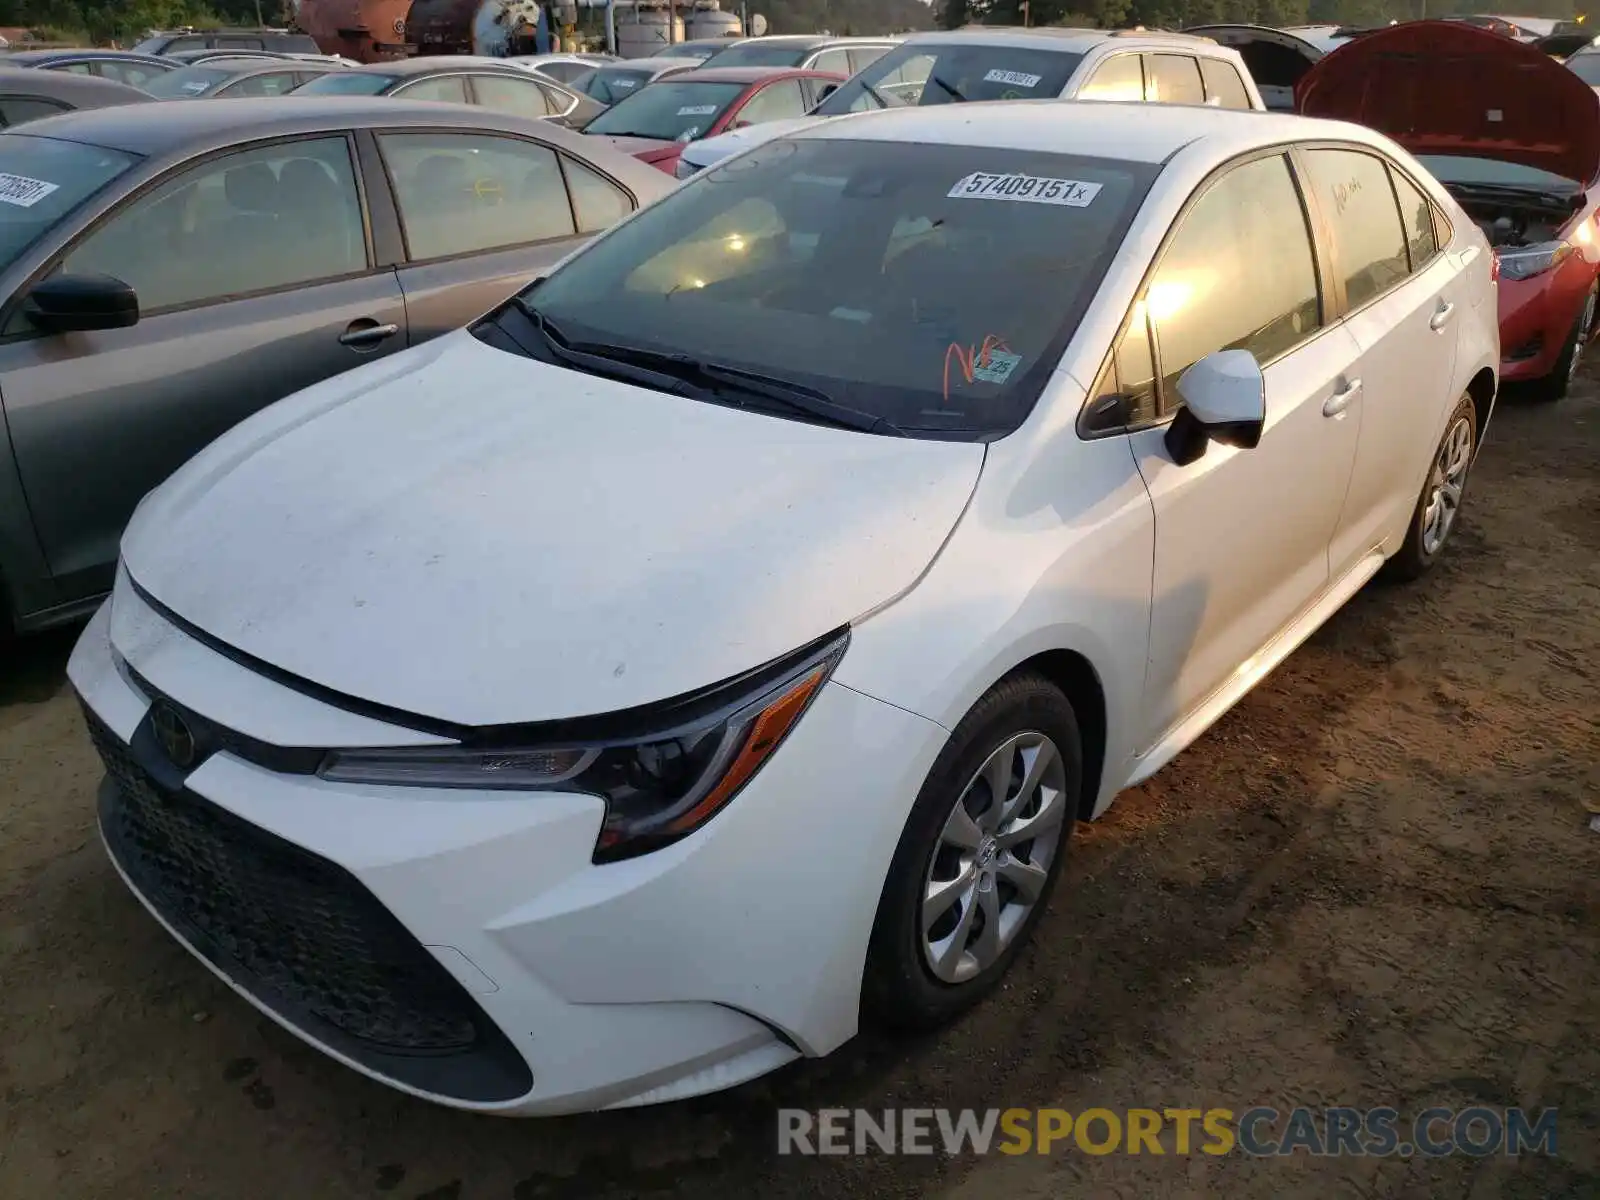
[[1373, 883]]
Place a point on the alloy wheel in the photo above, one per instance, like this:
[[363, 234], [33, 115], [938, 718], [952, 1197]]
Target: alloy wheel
[[1445, 484], [993, 857]]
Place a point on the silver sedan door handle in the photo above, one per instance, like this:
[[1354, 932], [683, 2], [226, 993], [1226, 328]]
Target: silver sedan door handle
[[1340, 400], [362, 336], [1441, 318]]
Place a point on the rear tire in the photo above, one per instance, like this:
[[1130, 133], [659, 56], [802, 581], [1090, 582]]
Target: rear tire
[[1438, 510], [1558, 383], [974, 869]]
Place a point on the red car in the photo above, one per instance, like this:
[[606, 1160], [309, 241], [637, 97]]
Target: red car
[[1515, 137], [657, 121]]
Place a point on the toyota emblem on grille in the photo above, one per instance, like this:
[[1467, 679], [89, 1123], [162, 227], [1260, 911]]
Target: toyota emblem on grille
[[174, 734]]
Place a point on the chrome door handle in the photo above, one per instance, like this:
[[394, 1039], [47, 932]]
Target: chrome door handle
[[1340, 400], [370, 335], [1441, 318]]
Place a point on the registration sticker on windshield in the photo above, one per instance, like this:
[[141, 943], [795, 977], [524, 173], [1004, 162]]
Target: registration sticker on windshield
[[22, 192], [995, 367], [1030, 189], [1015, 78], [697, 110]]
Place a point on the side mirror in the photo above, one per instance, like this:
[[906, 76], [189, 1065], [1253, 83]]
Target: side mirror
[[1224, 400], [825, 91], [81, 303], [740, 125]]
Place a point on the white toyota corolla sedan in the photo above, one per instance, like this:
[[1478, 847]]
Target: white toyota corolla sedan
[[714, 646]]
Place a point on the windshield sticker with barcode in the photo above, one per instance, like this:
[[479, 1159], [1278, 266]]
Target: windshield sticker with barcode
[[22, 192], [697, 110], [1030, 189], [1017, 78], [195, 86], [624, 84]]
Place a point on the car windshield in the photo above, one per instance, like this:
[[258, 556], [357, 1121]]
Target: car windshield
[[187, 83], [42, 180], [1493, 172], [346, 83], [913, 74], [760, 52], [672, 110], [933, 288], [1586, 67], [611, 84]]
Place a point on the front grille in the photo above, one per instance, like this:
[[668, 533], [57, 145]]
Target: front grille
[[299, 933]]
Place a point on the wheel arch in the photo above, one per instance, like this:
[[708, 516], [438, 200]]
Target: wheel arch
[[1075, 675], [1481, 388]]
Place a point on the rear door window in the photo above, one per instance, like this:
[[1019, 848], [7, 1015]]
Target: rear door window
[[520, 97], [449, 88], [135, 74], [1354, 193], [1120, 77], [462, 193], [274, 83], [1224, 88], [864, 56], [1173, 79], [837, 59], [775, 102]]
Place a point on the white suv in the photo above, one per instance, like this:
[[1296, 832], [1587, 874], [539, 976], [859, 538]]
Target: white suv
[[1019, 64]]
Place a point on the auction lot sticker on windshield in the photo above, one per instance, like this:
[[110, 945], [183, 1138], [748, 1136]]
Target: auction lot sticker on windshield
[[23, 192], [195, 86], [697, 110], [1030, 189], [1015, 78]]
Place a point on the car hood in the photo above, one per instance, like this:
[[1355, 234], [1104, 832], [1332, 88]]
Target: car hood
[[642, 148], [1444, 87], [475, 537], [714, 149]]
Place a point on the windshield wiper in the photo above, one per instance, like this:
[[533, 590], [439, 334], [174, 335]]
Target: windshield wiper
[[561, 348], [948, 89], [661, 370]]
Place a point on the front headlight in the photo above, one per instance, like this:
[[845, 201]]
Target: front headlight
[[663, 771], [1524, 262], [684, 169]]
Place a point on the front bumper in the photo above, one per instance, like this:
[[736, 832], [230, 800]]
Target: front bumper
[[461, 946], [1536, 318]]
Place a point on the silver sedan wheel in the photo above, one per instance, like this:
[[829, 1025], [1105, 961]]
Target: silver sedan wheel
[[993, 857], [1445, 484]]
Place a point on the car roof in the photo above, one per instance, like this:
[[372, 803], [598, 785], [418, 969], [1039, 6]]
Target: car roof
[[161, 129], [61, 54], [429, 63], [1040, 38], [1147, 133], [238, 68], [744, 74], [78, 90]]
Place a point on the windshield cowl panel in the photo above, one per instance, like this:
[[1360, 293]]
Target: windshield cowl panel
[[921, 289]]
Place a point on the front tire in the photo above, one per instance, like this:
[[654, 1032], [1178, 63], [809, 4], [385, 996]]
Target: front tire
[[1555, 385], [979, 856], [1438, 509]]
